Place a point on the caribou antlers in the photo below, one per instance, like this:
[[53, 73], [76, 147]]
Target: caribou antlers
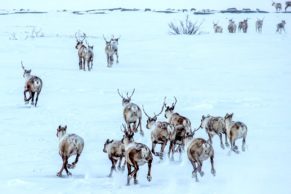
[[22, 66], [84, 36], [127, 97], [155, 115]]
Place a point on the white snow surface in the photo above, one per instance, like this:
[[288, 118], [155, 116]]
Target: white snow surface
[[247, 74]]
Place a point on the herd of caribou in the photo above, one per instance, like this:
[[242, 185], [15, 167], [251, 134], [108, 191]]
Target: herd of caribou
[[243, 26], [278, 6], [176, 130]]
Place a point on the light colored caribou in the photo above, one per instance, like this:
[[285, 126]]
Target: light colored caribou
[[33, 85], [114, 43], [109, 51], [259, 25], [214, 126], [69, 144], [235, 130], [131, 113], [82, 51]]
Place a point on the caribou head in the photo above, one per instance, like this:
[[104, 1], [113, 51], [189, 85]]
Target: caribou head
[[152, 120], [126, 100], [107, 142], [79, 41], [169, 109]]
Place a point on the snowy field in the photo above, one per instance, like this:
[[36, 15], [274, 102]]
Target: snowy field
[[247, 74]]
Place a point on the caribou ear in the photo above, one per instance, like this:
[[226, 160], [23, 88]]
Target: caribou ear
[[59, 127], [110, 141], [65, 127]]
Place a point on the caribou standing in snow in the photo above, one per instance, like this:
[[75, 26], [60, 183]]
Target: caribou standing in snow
[[89, 57], [243, 25], [33, 85], [131, 112], [82, 51], [281, 26], [278, 6], [259, 25], [136, 154], [199, 150], [114, 43], [214, 126], [109, 51], [217, 28], [235, 130], [69, 144], [231, 26], [160, 133]]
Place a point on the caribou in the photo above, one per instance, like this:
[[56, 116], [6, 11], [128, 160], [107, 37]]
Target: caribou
[[89, 56], [82, 51], [278, 6], [243, 25], [114, 43], [259, 25], [198, 151], [287, 4], [160, 133], [231, 26], [214, 126], [136, 154], [235, 130], [281, 26], [217, 28], [176, 119], [109, 50], [33, 85], [69, 144], [116, 151], [131, 113]]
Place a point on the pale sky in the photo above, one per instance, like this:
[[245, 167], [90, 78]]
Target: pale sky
[[156, 4]]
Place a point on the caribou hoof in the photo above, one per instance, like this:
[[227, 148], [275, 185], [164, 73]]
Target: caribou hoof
[[201, 173], [213, 172], [243, 149], [69, 174], [149, 178], [135, 182], [141, 133], [59, 174], [222, 146], [227, 144]]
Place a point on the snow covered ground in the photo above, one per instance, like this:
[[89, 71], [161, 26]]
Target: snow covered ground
[[247, 74]]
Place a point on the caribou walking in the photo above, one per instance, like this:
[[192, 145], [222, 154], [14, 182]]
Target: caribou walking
[[278, 6], [33, 85], [82, 51], [281, 26], [259, 25]]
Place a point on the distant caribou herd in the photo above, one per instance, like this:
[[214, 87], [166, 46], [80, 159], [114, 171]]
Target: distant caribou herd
[[176, 130]]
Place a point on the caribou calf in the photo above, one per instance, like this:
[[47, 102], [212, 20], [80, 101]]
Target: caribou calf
[[160, 133], [235, 130], [217, 28], [281, 26], [33, 85], [198, 151], [69, 144], [214, 126], [136, 154]]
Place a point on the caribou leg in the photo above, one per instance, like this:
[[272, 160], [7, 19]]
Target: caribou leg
[[37, 94]]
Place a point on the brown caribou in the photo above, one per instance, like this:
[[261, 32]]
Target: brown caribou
[[136, 154], [281, 26], [160, 133], [69, 144], [33, 85], [198, 151]]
